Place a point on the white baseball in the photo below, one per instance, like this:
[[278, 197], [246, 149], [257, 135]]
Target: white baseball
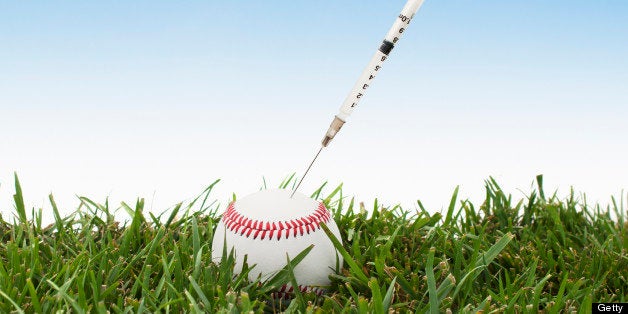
[[269, 224]]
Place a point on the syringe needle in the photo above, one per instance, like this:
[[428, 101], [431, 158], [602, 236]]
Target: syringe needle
[[306, 171], [369, 73]]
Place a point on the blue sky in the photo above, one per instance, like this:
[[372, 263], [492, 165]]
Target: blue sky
[[157, 99]]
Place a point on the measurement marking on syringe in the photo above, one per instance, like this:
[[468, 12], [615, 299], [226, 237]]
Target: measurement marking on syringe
[[405, 19]]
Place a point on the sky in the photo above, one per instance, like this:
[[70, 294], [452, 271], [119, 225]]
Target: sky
[[157, 99]]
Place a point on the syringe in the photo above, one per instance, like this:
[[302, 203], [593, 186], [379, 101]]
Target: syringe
[[369, 73]]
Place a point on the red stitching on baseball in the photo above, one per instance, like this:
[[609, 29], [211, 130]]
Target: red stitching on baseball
[[247, 227], [286, 292]]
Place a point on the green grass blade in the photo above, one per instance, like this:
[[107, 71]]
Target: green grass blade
[[298, 296], [282, 277], [356, 270], [199, 292], [18, 309], [389, 296], [431, 282], [193, 303], [452, 207], [19, 201], [69, 299], [483, 260]]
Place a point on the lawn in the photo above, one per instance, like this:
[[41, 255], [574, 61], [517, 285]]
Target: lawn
[[542, 252]]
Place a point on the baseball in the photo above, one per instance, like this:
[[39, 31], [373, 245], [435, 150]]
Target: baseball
[[269, 224]]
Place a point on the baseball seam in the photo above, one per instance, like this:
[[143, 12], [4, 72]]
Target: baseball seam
[[287, 291], [245, 226]]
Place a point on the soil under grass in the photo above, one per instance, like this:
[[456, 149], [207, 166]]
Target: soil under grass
[[541, 253]]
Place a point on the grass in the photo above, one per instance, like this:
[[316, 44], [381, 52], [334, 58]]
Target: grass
[[537, 254]]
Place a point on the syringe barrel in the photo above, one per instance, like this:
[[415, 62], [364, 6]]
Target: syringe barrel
[[359, 89], [402, 21], [369, 73]]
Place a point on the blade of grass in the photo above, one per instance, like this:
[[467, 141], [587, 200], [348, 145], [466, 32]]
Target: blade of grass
[[18, 309], [483, 260], [376, 296], [431, 282], [356, 270], [282, 277], [389, 295], [452, 207], [295, 286], [19, 201]]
